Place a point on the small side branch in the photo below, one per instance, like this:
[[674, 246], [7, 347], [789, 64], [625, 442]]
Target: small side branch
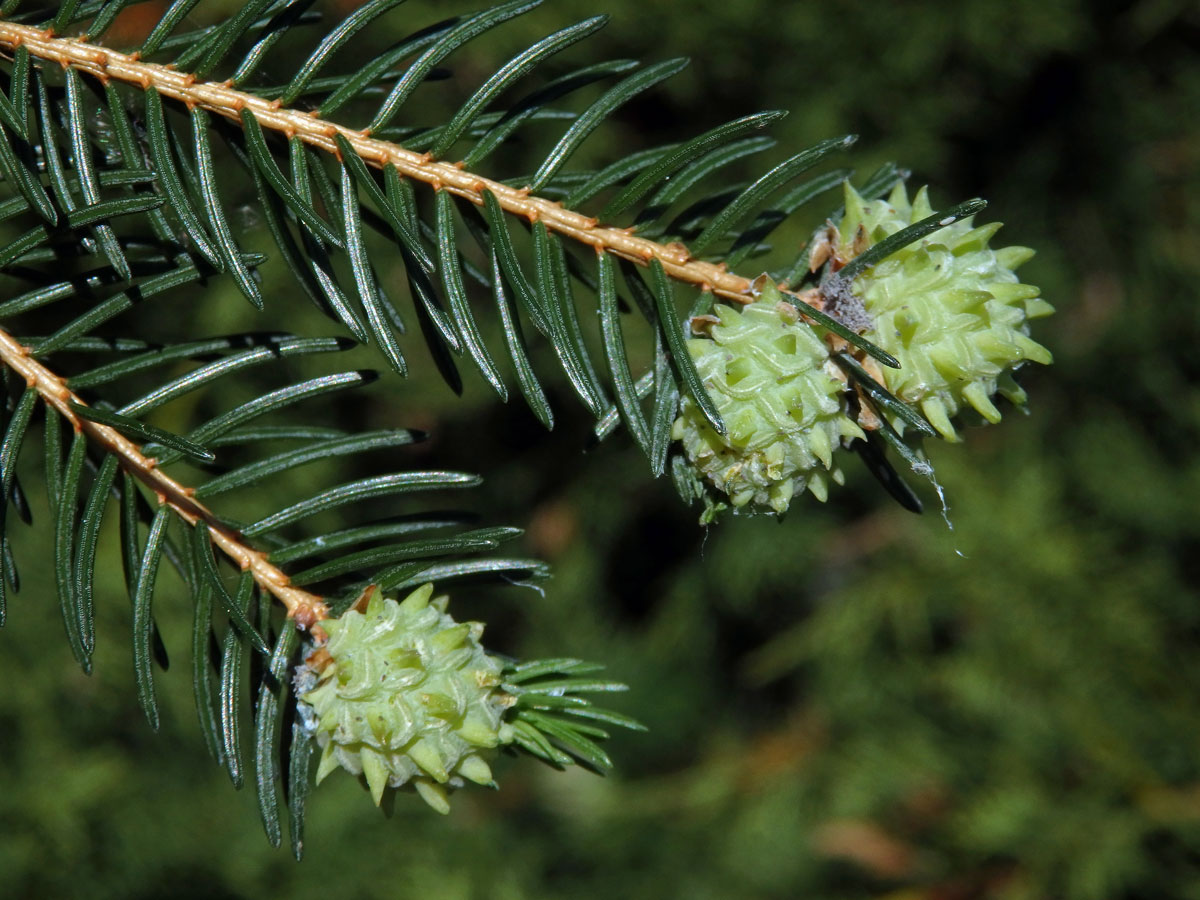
[[224, 100], [305, 608]]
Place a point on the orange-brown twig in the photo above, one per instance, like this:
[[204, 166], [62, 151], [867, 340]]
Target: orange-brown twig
[[305, 608], [224, 100]]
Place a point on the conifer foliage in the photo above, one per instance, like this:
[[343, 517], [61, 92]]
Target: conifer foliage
[[116, 164]]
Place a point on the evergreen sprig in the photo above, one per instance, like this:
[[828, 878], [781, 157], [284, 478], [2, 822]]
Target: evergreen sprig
[[116, 174]]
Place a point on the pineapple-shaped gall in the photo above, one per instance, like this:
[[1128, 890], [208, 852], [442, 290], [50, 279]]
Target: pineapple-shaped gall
[[781, 400], [404, 695], [948, 307]]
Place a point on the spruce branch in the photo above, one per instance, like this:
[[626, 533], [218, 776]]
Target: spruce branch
[[225, 100], [304, 608], [749, 405], [656, 179]]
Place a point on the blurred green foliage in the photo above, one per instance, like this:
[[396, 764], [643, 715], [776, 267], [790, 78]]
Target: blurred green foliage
[[856, 702]]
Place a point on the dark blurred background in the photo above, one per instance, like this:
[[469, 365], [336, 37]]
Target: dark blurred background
[[856, 702]]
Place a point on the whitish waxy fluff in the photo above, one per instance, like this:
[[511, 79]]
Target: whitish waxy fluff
[[407, 696], [782, 403], [948, 307]]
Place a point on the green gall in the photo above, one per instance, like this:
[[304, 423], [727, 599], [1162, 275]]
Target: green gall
[[405, 696], [948, 307], [781, 399]]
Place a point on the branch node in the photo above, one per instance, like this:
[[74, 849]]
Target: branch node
[[319, 659], [680, 252]]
